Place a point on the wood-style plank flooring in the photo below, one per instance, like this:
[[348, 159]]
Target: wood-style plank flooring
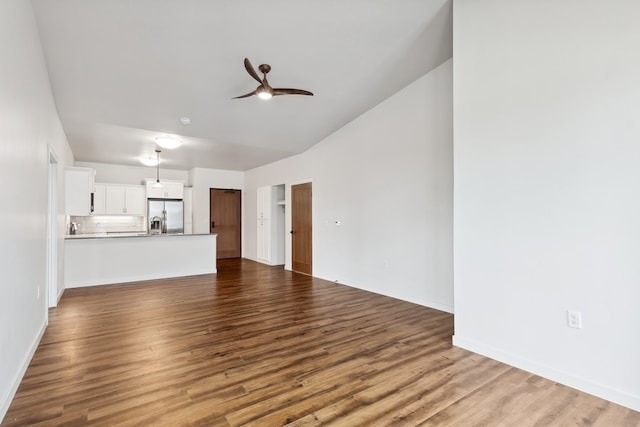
[[257, 345]]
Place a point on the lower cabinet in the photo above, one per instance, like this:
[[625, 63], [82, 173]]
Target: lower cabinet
[[264, 241], [270, 228]]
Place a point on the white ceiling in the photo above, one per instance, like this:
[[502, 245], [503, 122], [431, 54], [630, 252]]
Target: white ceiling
[[125, 71]]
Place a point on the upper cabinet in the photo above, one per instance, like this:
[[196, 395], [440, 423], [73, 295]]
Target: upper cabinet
[[169, 190], [78, 191], [264, 202], [118, 199], [99, 202], [268, 198], [124, 199], [135, 202]]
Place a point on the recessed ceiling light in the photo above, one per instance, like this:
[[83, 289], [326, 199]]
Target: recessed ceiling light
[[168, 142], [185, 121], [148, 161]]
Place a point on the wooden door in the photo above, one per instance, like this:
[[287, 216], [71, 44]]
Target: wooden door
[[225, 219], [301, 255]]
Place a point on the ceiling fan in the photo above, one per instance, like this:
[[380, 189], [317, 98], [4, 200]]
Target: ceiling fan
[[265, 91]]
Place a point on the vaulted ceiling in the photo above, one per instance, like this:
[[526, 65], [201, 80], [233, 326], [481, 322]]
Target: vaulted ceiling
[[126, 71]]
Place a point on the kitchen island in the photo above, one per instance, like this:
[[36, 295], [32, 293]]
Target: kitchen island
[[100, 259]]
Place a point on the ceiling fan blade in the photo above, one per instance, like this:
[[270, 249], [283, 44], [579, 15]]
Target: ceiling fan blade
[[251, 70], [246, 95], [286, 91]]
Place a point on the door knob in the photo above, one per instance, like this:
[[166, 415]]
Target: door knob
[[213, 224], [292, 232]]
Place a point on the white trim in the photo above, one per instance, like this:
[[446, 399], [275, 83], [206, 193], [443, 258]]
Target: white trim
[[304, 181], [51, 290], [430, 304], [6, 401], [605, 392]]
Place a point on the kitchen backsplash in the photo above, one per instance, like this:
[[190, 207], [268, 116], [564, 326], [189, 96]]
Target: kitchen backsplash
[[105, 224]]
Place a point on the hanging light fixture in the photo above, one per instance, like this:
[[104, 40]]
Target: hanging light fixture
[[157, 184], [168, 142], [148, 161]]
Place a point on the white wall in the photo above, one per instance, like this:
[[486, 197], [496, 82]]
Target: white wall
[[29, 126], [547, 188], [202, 180], [387, 177], [120, 174]]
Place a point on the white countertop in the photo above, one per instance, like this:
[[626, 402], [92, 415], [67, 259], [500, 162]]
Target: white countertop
[[115, 235]]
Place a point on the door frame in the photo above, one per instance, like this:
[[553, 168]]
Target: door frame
[[51, 291], [289, 223]]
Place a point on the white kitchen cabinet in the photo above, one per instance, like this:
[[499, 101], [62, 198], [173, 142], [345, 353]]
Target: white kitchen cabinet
[[264, 202], [169, 190], [99, 199], [173, 190], [78, 190], [154, 193], [124, 199], [270, 226], [264, 241], [114, 200], [134, 200]]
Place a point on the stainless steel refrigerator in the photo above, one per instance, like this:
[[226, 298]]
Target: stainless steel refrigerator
[[170, 213]]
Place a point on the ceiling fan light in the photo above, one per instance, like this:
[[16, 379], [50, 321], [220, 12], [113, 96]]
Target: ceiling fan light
[[168, 142], [264, 95]]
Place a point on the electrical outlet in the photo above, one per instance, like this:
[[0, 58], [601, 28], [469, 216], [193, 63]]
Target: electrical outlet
[[574, 319]]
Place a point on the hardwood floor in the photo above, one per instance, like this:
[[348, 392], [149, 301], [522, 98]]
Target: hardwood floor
[[257, 345]]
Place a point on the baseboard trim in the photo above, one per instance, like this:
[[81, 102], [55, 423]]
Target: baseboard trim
[[430, 304], [599, 390], [6, 401]]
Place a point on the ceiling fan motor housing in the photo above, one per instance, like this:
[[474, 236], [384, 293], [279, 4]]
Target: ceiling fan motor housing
[[265, 91]]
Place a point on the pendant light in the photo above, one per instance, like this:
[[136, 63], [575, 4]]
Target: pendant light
[[148, 161], [157, 184], [168, 142]]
